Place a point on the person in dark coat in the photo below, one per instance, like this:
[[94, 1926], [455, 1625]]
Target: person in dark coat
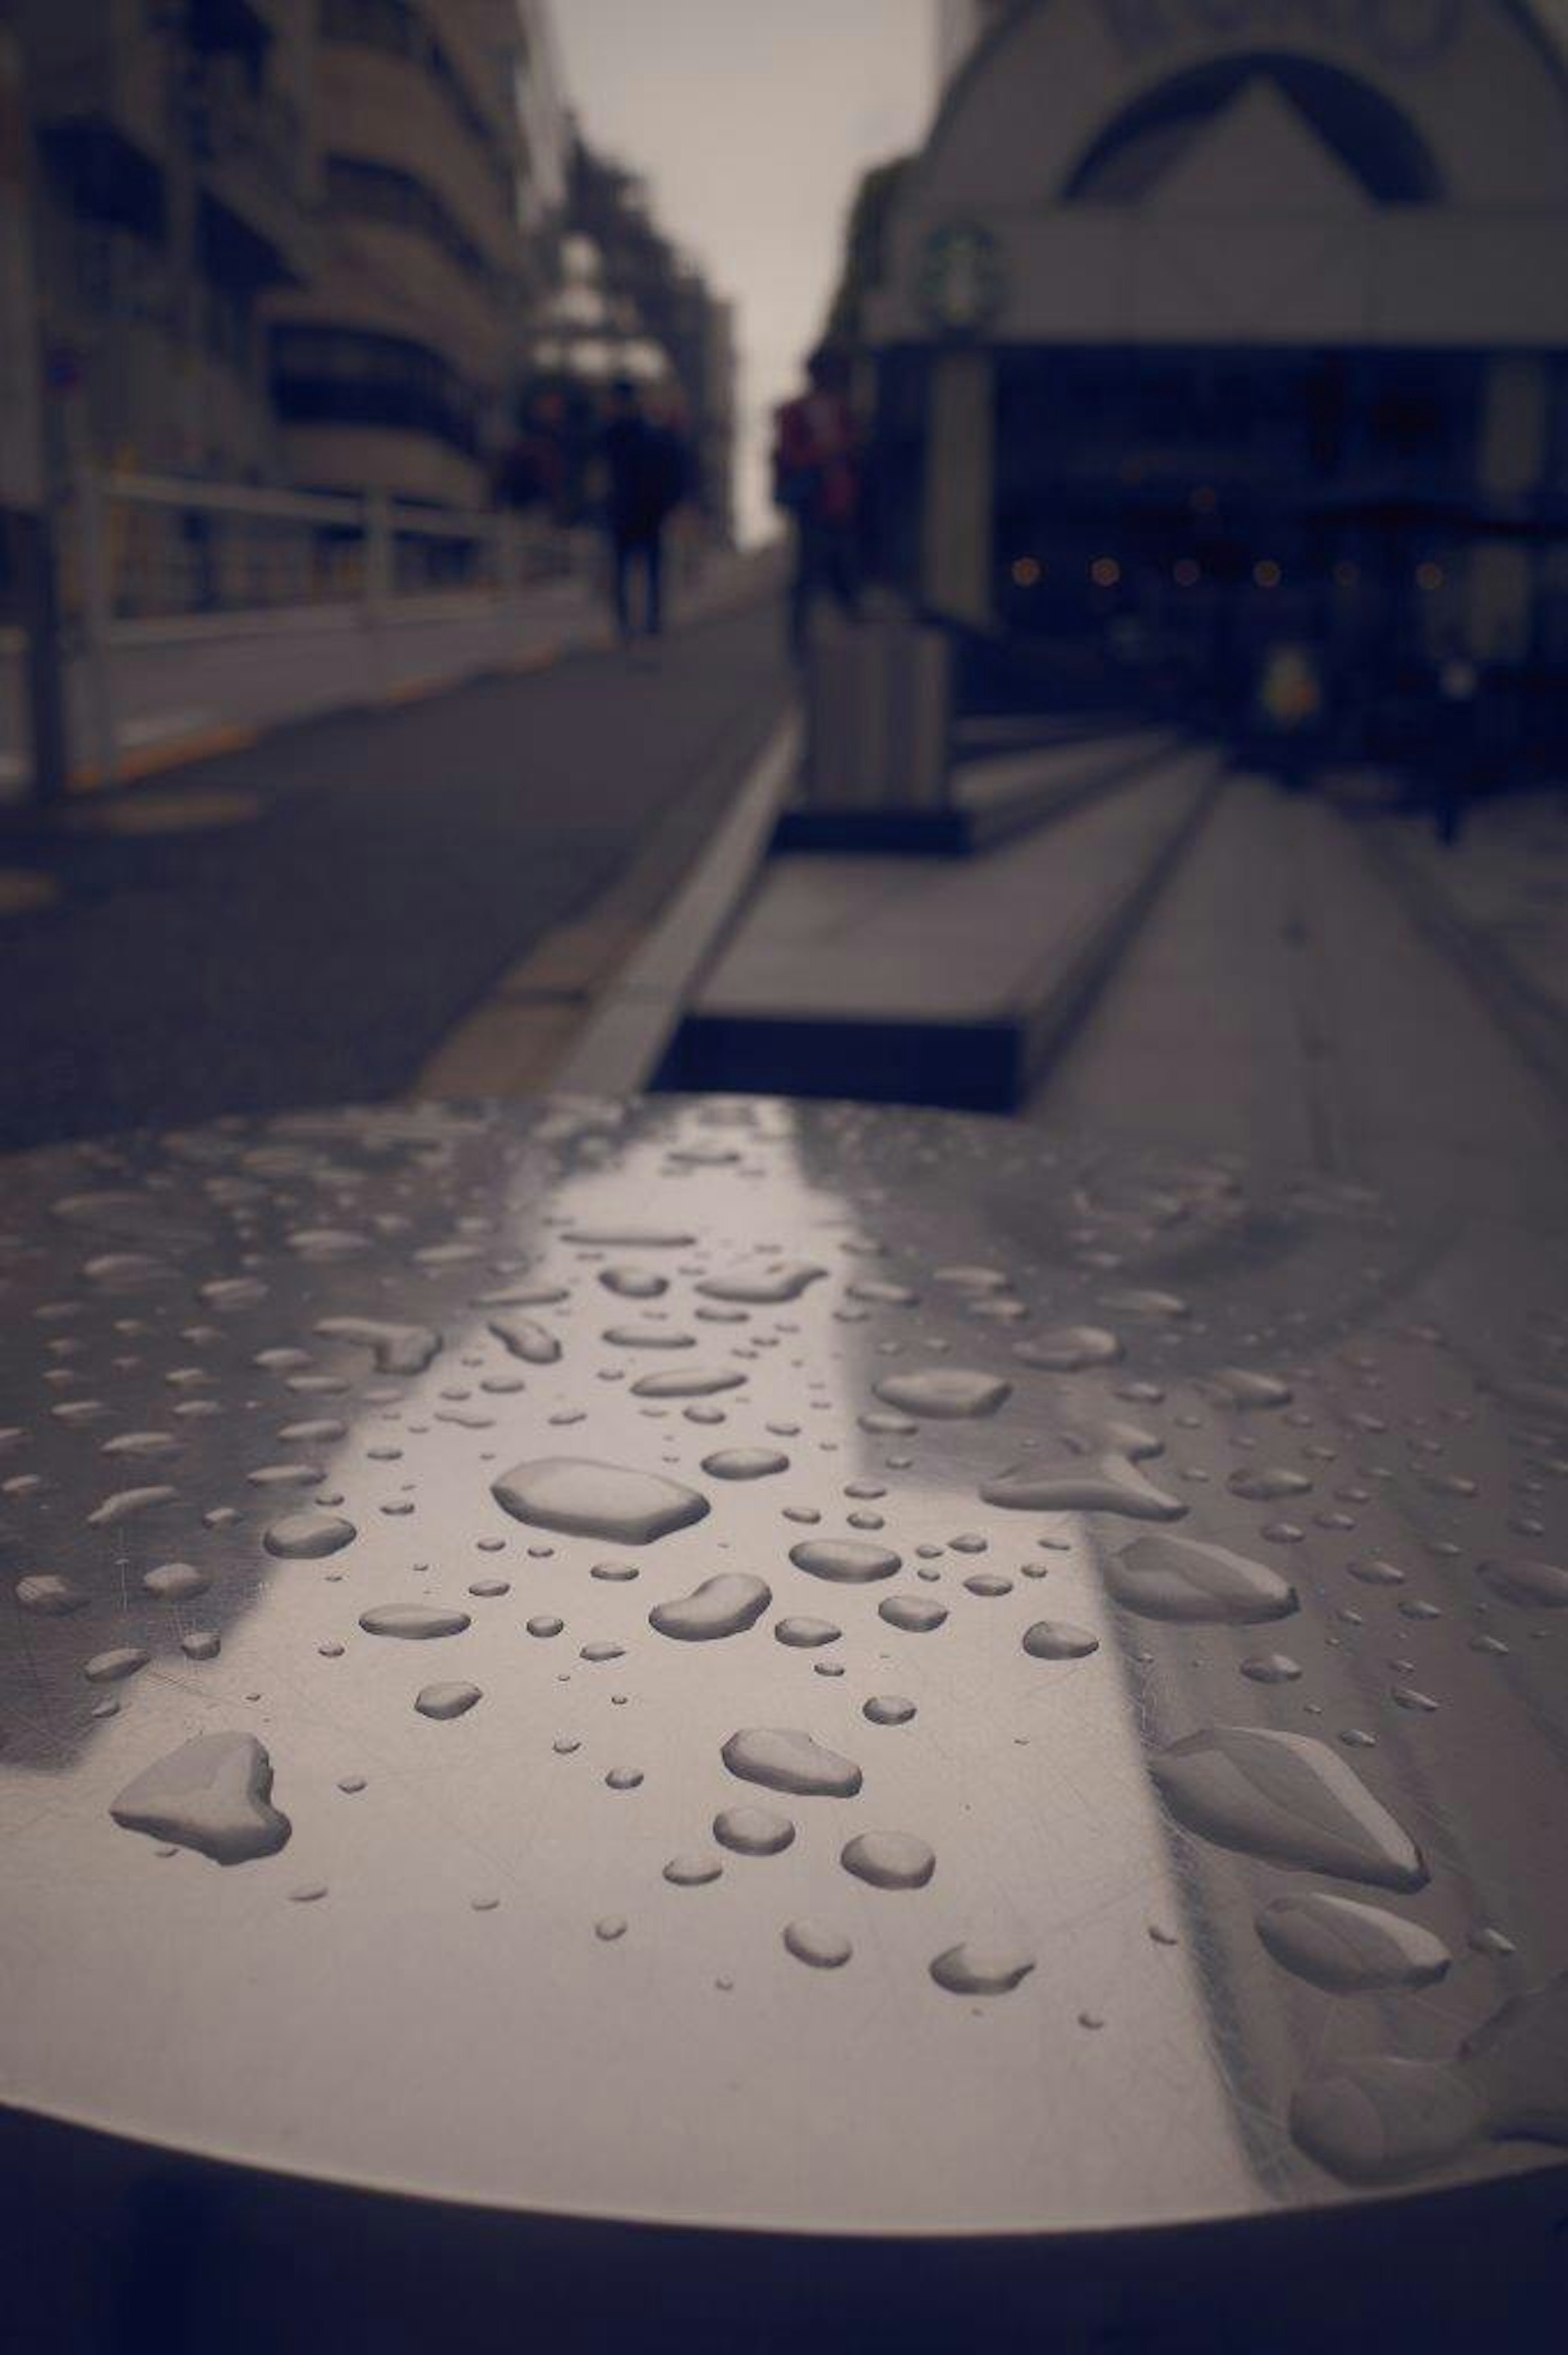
[[645, 471], [816, 481]]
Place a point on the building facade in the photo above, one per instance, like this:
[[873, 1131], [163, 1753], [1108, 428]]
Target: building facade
[[1204, 332], [175, 192], [297, 241]]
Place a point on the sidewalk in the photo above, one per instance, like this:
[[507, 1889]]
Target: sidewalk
[[196, 686], [1497, 900]]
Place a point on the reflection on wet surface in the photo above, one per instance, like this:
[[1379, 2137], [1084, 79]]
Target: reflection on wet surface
[[1108, 1910]]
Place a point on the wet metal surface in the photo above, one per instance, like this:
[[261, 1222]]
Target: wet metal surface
[[796, 1666]]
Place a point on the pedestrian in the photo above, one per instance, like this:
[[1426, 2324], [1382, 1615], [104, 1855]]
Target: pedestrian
[[816, 481], [645, 470]]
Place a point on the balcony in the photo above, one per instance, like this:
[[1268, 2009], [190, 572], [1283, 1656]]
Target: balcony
[[256, 223]]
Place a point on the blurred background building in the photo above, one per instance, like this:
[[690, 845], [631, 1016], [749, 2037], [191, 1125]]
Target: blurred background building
[[1221, 355], [336, 244]]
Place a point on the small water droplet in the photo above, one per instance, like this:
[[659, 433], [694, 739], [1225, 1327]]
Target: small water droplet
[[818, 1943]]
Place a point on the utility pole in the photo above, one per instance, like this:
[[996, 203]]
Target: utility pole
[[27, 578]]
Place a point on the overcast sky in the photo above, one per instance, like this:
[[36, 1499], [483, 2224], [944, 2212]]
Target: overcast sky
[[753, 120]]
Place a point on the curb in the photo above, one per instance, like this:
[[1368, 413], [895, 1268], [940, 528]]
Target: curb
[[990, 1063]]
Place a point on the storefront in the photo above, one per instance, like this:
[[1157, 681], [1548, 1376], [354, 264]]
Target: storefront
[[1221, 357]]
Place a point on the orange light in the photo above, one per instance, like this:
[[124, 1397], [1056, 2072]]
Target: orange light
[[1104, 572], [1026, 572], [1267, 574]]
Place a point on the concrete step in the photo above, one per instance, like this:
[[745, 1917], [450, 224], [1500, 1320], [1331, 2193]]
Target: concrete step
[[998, 789], [899, 980]]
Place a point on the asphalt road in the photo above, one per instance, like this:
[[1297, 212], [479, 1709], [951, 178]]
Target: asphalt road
[[388, 868]]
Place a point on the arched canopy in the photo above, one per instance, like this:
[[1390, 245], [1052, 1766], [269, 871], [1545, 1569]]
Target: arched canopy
[[1368, 171]]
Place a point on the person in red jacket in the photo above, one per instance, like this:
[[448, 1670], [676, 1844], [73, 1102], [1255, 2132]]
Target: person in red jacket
[[816, 481]]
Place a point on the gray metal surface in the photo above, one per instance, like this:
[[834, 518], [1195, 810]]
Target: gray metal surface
[[426, 1985]]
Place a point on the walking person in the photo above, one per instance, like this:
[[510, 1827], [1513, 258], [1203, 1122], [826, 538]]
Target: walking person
[[816, 481], [645, 471]]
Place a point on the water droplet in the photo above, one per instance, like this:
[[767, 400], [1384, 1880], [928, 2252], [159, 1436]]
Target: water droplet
[[201, 1644], [1070, 1349], [980, 1970], [1266, 1483], [1374, 1571], [745, 1462], [545, 1623], [817, 1943], [634, 1282], [624, 1778], [783, 1760], [1271, 1669], [351, 1784], [753, 1831], [767, 1289], [49, 1597], [687, 1381], [175, 1582], [1058, 1639], [583, 1498], [1109, 1485], [888, 1709], [1348, 1948], [394, 1348], [647, 1336], [844, 1561], [609, 1926], [694, 1869], [1420, 1704], [914, 1614], [126, 1502], [414, 1622], [1381, 2118], [308, 1536], [944, 1393], [804, 1633], [723, 1605], [601, 1651], [1195, 1584], [889, 1859], [988, 1584], [111, 1668], [1288, 1798], [1244, 1387], [526, 1337], [212, 1793], [446, 1701], [1528, 1586], [488, 1589]]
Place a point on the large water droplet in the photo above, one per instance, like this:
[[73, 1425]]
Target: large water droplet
[[1244, 1387], [803, 1634], [687, 1381], [308, 1536], [634, 1282], [583, 1498], [1287, 1798], [446, 1701], [126, 1502], [914, 1614], [175, 1582], [1347, 1947], [888, 1709], [980, 1970], [394, 1348], [944, 1393], [783, 1760], [1070, 1349], [694, 1869], [889, 1859], [844, 1561], [1058, 1639], [1528, 1586], [50, 1597], [819, 1944], [212, 1793], [111, 1667], [745, 1462], [1111, 1484], [417, 1623], [723, 1605], [1268, 1482], [1195, 1584], [526, 1337], [753, 1831], [769, 1288]]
